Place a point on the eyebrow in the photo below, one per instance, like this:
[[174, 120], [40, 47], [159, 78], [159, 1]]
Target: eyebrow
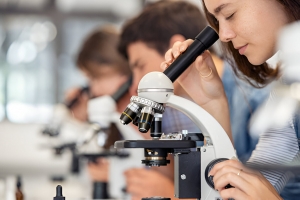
[[219, 8]]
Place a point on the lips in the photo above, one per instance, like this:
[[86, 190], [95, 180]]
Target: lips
[[242, 49]]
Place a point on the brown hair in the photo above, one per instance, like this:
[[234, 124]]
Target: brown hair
[[159, 21], [99, 49], [256, 75]]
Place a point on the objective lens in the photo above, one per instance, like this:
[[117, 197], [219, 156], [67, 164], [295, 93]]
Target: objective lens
[[146, 119], [129, 113]]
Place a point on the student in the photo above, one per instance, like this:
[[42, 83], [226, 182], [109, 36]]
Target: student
[[248, 30], [107, 71], [144, 40]]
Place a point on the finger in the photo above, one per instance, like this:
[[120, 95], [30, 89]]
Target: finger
[[164, 65], [234, 180], [232, 163], [176, 49], [233, 193], [206, 66], [135, 172], [169, 56], [174, 52], [134, 185], [225, 170], [185, 45], [180, 47]]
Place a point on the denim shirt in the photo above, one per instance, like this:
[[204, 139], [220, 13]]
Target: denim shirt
[[243, 100], [297, 126]]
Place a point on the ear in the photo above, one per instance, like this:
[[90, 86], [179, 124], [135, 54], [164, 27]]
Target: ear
[[176, 38]]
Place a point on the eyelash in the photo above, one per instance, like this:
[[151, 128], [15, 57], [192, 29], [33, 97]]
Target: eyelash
[[227, 18]]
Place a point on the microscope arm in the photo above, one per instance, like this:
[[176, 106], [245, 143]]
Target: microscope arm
[[209, 126]]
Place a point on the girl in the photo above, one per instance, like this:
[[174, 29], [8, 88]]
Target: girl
[[248, 30]]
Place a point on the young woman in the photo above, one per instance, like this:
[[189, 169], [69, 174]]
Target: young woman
[[248, 30]]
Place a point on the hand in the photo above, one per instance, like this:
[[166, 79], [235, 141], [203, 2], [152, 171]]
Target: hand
[[202, 89], [99, 171], [142, 183], [247, 183], [202, 83]]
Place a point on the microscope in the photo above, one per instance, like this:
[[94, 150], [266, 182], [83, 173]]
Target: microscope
[[192, 161], [94, 139]]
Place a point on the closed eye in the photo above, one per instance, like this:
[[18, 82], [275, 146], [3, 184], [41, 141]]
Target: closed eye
[[227, 18]]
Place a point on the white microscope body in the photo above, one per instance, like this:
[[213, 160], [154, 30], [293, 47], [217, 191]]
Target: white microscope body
[[157, 87]]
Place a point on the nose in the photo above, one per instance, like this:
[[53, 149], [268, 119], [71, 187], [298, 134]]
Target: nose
[[226, 33]]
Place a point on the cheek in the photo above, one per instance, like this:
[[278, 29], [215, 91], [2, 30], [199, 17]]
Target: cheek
[[138, 75], [261, 47], [96, 90]]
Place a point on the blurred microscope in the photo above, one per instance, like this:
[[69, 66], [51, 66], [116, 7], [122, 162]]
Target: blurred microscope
[[94, 139]]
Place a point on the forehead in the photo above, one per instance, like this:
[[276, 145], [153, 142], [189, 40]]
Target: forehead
[[138, 50], [215, 5]]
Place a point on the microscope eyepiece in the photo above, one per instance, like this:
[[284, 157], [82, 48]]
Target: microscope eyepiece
[[129, 113], [146, 118], [203, 41]]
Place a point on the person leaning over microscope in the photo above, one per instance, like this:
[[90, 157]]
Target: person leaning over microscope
[[143, 42], [106, 71], [249, 31]]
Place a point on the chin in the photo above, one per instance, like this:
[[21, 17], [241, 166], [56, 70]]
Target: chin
[[255, 60]]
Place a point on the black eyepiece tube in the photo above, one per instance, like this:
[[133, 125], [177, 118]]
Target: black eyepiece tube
[[203, 41]]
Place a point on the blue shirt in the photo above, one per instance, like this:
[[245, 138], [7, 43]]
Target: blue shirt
[[243, 100]]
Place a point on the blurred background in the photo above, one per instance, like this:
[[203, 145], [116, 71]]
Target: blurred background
[[39, 40]]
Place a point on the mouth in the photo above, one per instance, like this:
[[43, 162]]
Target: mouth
[[242, 49]]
